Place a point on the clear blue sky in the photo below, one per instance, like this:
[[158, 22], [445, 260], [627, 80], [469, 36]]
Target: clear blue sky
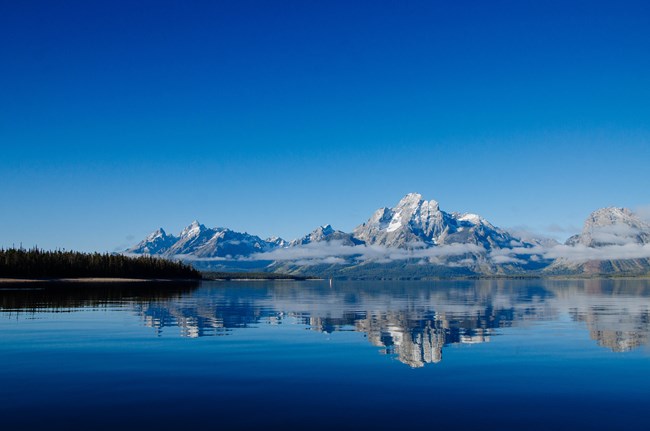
[[117, 118]]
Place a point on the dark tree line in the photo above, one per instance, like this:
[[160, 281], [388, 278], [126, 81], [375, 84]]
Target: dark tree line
[[36, 263]]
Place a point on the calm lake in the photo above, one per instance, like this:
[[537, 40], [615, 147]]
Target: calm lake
[[490, 355]]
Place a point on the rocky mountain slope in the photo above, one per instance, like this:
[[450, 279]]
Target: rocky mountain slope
[[198, 241], [416, 222], [417, 239], [612, 226], [326, 234], [613, 241]]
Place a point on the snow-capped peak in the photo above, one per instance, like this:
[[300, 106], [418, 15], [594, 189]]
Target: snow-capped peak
[[155, 243], [325, 233], [471, 218], [326, 229], [417, 221], [276, 241], [410, 198], [612, 226], [160, 233], [611, 215], [192, 230], [415, 200]]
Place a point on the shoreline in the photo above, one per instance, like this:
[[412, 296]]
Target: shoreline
[[116, 280], [263, 279], [94, 280]]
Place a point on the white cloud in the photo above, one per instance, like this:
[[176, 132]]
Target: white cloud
[[618, 234], [577, 254], [501, 259], [336, 252], [580, 253]]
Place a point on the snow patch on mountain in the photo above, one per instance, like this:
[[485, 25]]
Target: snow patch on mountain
[[415, 221], [157, 242], [417, 232], [198, 241], [326, 233], [612, 226]]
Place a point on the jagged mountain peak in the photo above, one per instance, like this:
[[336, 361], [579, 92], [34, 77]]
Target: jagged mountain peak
[[414, 201], [326, 233], [415, 224], [612, 226], [157, 242], [415, 220], [325, 229], [193, 229], [158, 233], [277, 241], [410, 199], [605, 232], [611, 215], [471, 218], [199, 241]]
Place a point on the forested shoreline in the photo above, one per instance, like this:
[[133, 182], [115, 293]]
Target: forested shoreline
[[37, 263]]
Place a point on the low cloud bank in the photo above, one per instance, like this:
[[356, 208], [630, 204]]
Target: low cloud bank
[[574, 254], [581, 253], [616, 234], [335, 252]]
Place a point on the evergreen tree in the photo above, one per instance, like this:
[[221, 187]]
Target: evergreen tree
[[37, 263]]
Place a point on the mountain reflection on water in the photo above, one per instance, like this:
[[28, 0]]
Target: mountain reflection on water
[[413, 321]]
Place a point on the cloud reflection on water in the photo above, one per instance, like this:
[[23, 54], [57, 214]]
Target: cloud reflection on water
[[414, 321]]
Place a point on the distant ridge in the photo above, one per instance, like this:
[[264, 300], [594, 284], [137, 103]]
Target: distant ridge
[[618, 238], [417, 239], [199, 241]]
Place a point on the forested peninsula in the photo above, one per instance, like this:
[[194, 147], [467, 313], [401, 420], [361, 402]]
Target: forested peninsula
[[41, 264]]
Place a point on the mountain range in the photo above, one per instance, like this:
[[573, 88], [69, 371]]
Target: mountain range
[[416, 239]]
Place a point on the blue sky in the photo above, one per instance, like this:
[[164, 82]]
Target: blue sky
[[275, 117]]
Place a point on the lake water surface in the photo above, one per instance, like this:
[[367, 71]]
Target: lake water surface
[[489, 354]]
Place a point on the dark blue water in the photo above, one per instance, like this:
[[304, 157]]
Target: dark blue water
[[490, 355]]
